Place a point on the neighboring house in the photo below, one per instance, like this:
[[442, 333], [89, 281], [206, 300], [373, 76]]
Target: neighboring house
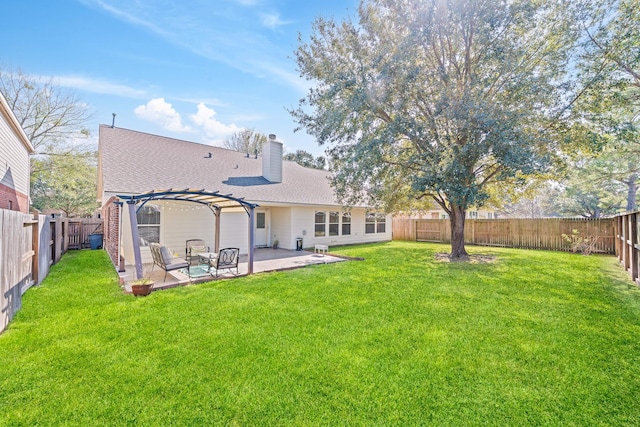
[[14, 161], [296, 205], [471, 213]]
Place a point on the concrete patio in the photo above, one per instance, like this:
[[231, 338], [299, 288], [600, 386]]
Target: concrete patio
[[264, 260]]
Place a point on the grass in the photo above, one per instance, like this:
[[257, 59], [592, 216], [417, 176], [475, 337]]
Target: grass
[[535, 338]]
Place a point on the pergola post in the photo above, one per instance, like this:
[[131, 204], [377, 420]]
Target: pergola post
[[133, 219], [216, 244], [251, 240]]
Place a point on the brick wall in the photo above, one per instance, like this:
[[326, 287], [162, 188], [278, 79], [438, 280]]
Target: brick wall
[[13, 200], [111, 217]]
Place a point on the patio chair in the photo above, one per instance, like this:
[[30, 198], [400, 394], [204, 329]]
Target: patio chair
[[227, 259], [162, 257], [193, 248]]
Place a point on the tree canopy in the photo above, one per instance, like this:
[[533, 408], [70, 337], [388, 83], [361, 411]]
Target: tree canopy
[[49, 116], [63, 171], [65, 182], [246, 141], [306, 159], [439, 99]]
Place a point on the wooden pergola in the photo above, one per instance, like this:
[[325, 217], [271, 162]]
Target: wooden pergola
[[212, 199]]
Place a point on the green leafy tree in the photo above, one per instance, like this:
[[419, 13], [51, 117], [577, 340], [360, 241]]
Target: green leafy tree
[[610, 71], [65, 182], [246, 141], [589, 190], [306, 159], [449, 96]]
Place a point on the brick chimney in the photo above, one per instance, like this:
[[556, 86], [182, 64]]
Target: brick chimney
[[272, 159]]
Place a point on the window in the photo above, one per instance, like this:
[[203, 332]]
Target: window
[[375, 223], [489, 215], [260, 219], [473, 214], [346, 223], [370, 223], [381, 224], [334, 223], [149, 224], [320, 224]]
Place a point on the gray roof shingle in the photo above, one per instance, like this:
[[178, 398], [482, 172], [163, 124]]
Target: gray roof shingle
[[134, 162]]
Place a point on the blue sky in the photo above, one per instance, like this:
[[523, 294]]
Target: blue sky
[[191, 69]]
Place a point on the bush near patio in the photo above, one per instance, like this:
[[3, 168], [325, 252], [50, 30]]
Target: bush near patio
[[533, 338]]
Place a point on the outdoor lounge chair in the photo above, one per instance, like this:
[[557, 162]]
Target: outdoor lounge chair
[[193, 248], [162, 257], [227, 259]]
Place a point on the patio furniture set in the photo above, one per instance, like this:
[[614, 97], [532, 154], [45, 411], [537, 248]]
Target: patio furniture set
[[196, 251]]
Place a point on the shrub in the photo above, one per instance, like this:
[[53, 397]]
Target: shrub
[[585, 245]]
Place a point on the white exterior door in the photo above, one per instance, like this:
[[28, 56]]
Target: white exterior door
[[260, 231]]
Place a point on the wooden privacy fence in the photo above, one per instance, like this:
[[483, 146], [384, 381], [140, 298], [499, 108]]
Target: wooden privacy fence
[[627, 229], [79, 231], [514, 233], [16, 254], [29, 245]]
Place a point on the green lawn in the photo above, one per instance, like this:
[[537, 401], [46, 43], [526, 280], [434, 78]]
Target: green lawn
[[534, 338]]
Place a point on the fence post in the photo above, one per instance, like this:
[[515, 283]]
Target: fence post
[[633, 245], [57, 240], [35, 247], [65, 231]]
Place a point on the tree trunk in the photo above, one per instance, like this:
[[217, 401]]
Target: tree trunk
[[632, 189], [458, 252]]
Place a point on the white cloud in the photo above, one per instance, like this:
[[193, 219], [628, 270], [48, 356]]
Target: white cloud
[[161, 112], [99, 86], [272, 20], [248, 2], [214, 130]]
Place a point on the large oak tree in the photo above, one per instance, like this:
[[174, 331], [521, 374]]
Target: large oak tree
[[437, 98]]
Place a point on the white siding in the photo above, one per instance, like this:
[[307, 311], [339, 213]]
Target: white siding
[[281, 228], [180, 222], [234, 232], [14, 159]]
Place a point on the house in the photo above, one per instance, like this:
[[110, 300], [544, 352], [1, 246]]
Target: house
[[175, 190], [15, 149], [439, 213]]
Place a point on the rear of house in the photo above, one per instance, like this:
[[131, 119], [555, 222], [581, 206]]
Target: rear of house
[[295, 205]]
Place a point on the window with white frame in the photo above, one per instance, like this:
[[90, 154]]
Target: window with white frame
[[148, 218], [346, 223], [370, 223], [473, 214], [375, 223], [381, 223], [334, 223], [320, 224]]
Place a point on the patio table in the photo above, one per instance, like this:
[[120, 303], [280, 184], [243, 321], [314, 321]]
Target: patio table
[[207, 257]]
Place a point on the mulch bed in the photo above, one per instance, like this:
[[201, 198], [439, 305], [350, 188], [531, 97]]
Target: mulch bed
[[473, 258]]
